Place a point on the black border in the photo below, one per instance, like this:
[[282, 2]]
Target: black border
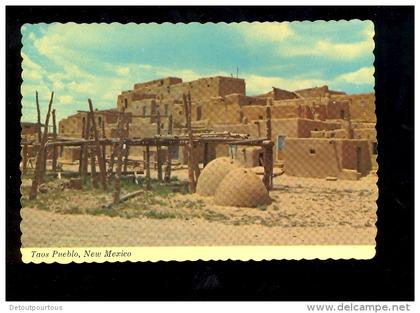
[[389, 276]]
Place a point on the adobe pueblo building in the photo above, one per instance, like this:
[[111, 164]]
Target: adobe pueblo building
[[317, 132]]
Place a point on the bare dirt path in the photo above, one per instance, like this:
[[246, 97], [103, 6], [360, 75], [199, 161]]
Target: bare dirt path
[[48, 229]]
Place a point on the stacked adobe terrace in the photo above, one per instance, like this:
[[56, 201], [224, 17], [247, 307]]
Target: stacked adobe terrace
[[317, 132]]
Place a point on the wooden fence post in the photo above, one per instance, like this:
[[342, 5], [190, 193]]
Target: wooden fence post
[[38, 111], [268, 164], [24, 158], [126, 149], [85, 152], [148, 167], [114, 146], [187, 108], [206, 154], [54, 151], [117, 178], [268, 117], [39, 160], [101, 161], [158, 148], [168, 167]]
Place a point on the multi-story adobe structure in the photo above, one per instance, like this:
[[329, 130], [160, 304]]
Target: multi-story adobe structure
[[317, 132]]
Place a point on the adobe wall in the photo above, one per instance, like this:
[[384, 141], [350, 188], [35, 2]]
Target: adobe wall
[[148, 86], [321, 158], [254, 112], [70, 154], [365, 133], [305, 126], [173, 90], [362, 107], [318, 92], [349, 155], [338, 109], [311, 158], [72, 126], [29, 128], [336, 133], [216, 111]]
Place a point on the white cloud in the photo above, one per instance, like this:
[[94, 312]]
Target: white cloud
[[123, 70], [66, 99], [361, 76], [346, 51], [268, 31]]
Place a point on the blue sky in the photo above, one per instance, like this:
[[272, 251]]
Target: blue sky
[[98, 61]]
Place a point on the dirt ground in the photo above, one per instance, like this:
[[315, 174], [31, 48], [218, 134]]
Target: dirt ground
[[303, 211]]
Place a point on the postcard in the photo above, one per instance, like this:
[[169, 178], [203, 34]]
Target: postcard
[[198, 141]]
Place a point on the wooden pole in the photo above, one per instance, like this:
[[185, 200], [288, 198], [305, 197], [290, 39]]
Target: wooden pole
[[117, 182], [206, 154], [54, 151], [81, 161], [168, 167], [39, 160], [126, 149], [268, 164], [24, 158], [38, 111], [103, 145], [117, 178], [85, 152], [93, 168], [187, 108], [101, 161], [268, 116], [148, 166], [114, 146], [158, 148]]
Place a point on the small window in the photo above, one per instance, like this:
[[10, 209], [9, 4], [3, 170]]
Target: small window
[[312, 151], [342, 115], [126, 103], [260, 117]]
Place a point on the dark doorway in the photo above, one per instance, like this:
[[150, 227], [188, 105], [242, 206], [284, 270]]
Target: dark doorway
[[198, 113]]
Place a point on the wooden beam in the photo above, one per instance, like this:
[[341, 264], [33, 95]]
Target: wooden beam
[[39, 160], [101, 161], [168, 167], [187, 109], [268, 117], [85, 151], [54, 151], [117, 178], [148, 167], [268, 164], [24, 158], [126, 197], [126, 149], [81, 161], [114, 147], [93, 168], [206, 154], [158, 148], [38, 111]]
